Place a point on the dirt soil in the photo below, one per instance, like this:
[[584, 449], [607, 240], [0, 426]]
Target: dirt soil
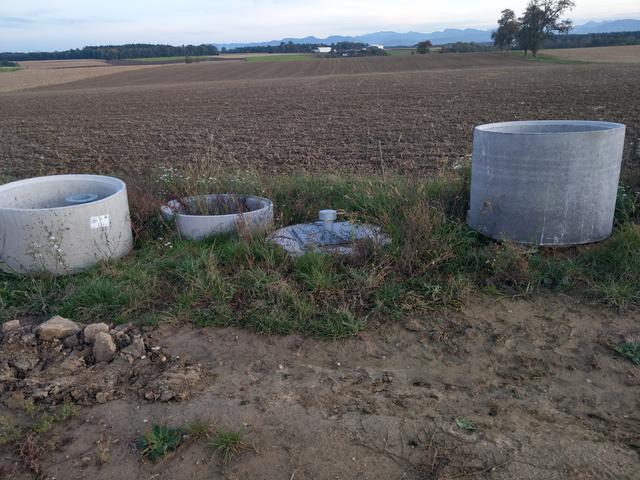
[[621, 54], [411, 114], [53, 72], [539, 379]]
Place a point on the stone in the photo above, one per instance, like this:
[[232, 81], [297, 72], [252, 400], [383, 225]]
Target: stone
[[166, 396], [57, 327], [414, 325], [102, 397], [10, 327], [73, 362], [24, 364], [136, 348], [14, 400], [40, 393], [71, 341], [7, 374], [122, 339], [103, 347], [90, 331], [29, 339]]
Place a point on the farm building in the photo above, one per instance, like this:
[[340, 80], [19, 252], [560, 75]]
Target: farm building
[[322, 50], [381, 47]]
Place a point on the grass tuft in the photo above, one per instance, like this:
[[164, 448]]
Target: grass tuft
[[466, 424], [630, 351], [228, 444], [159, 441]]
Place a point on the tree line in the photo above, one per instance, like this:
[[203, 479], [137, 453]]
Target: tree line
[[593, 40], [115, 52], [284, 47], [290, 47], [539, 22], [555, 41]]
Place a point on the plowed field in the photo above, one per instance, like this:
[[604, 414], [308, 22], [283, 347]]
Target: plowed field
[[412, 114]]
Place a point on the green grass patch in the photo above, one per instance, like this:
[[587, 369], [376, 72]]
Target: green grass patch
[[9, 69], [434, 262], [171, 59], [159, 441], [549, 58], [40, 421], [394, 52], [228, 444], [630, 351], [280, 58], [466, 424]]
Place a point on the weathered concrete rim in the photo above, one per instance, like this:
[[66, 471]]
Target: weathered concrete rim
[[265, 204], [520, 127], [116, 183]]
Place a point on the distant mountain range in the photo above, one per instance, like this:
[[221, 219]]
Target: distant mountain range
[[449, 35]]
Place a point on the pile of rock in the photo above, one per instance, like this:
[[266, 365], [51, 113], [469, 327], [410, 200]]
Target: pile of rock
[[60, 360], [97, 341]]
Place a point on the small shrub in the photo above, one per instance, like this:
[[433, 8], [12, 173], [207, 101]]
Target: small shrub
[[466, 424], [197, 429], [10, 431], [613, 268], [627, 206], [229, 443], [161, 440], [630, 351], [508, 267]]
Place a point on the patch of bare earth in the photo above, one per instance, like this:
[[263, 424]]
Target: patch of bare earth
[[412, 115], [539, 379], [54, 72], [619, 54]]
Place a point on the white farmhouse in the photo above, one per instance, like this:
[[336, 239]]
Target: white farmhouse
[[322, 50]]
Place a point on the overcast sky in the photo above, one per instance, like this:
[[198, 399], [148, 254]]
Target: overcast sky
[[28, 25]]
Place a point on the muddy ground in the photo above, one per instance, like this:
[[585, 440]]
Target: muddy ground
[[540, 380]]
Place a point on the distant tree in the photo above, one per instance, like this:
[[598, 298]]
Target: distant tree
[[344, 46], [465, 47], [540, 21], [508, 26], [592, 40], [115, 52], [289, 47], [424, 47]]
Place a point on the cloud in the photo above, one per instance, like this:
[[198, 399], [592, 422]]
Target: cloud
[[61, 24]]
